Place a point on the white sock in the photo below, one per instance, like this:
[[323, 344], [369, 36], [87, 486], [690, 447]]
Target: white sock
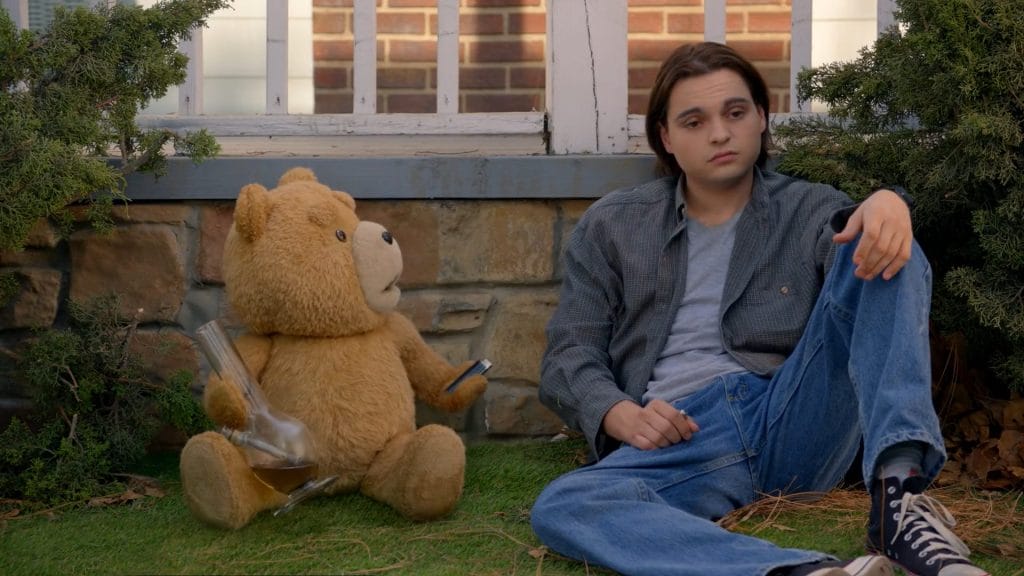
[[901, 461]]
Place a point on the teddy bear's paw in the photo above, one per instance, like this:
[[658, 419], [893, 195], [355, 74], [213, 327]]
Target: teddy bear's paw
[[421, 474], [218, 485]]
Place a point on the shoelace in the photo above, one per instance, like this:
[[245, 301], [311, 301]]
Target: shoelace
[[931, 521]]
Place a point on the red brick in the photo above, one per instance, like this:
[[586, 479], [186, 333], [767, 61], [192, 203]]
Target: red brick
[[527, 77], [502, 51], [769, 22], [760, 50], [685, 23], [638, 103], [758, 2], [401, 78], [333, 103], [651, 50], [652, 22], [412, 51], [673, 3], [642, 76], [412, 3], [475, 23], [329, 23], [339, 3], [776, 74], [411, 103], [503, 102], [733, 22], [330, 78], [500, 3], [480, 78], [527, 23], [401, 23], [332, 50]]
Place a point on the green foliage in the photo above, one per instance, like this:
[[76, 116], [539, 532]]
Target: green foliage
[[9, 286], [70, 94], [938, 108], [94, 410]]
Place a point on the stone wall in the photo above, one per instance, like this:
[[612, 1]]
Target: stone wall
[[481, 279]]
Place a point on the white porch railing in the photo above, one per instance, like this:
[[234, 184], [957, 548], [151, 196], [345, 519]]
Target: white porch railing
[[586, 87]]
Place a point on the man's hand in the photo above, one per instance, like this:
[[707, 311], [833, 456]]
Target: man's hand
[[883, 221], [656, 425]]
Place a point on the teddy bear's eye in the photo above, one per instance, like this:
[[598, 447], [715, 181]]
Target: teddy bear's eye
[[341, 234], [387, 237]]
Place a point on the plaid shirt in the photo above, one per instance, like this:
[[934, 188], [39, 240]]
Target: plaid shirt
[[625, 274]]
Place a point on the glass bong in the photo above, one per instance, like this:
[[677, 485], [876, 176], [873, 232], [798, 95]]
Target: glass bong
[[278, 448]]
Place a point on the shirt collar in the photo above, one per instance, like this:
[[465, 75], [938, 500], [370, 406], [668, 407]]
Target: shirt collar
[[759, 196]]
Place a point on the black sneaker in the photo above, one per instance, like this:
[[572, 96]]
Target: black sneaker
[[913, 530], [863, 566]]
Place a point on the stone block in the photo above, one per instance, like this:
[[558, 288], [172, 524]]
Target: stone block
[[143, 264], [36, 304], [517, 342], [157, 213], [516, 410], [164, 352], [214, 223], [414, 224], [442, 313], [496, 241], [31, 258], [42, 235]]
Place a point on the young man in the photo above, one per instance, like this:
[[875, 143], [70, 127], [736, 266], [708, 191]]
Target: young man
[[727, 332]]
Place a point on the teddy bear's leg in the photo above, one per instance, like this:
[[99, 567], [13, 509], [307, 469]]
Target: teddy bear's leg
[[219, 486], [419, 474]]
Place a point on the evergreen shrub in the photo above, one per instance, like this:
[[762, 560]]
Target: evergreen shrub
[[937, 105]]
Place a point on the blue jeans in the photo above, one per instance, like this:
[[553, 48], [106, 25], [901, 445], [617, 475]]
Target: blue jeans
[[861, 371]]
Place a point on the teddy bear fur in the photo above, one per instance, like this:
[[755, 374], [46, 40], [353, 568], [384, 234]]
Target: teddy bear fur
[[316, 289]]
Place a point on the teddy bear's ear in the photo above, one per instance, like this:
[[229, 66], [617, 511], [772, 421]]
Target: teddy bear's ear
[[346, 199], [296, 174], [251, 211]]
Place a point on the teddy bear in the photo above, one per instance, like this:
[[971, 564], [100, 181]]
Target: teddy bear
[[316, 290]]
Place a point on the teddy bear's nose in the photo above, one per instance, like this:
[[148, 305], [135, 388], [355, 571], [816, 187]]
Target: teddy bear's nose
[[387, 237]]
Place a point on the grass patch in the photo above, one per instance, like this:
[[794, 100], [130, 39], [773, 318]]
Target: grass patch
[[489, 533]]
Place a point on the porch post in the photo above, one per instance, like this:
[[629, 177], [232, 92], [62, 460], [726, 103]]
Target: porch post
[[587, 75]]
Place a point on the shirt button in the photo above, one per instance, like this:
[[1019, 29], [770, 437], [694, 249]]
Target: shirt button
[[784, 290]]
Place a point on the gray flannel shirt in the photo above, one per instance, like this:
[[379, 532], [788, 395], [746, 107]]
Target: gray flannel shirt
[[625, 274]]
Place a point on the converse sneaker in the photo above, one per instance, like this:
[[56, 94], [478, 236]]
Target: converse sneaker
[[913, 530], [863, 566]]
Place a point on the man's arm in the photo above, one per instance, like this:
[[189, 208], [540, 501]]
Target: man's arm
[[577, 382], [883, 223]]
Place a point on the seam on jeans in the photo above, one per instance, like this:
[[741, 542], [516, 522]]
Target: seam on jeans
[[716, 464], [774, 418], [642, 491]]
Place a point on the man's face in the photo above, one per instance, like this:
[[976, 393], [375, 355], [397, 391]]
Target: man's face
[[713, 129]]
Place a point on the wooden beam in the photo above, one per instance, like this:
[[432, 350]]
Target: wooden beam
[[364, 82], [277, 57], [587, 76], [447, 56]]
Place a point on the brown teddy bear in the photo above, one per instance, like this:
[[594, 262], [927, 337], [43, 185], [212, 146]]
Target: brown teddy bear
[[316, 288]]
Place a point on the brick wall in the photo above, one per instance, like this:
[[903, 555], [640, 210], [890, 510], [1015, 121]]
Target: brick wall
[[501, 50]]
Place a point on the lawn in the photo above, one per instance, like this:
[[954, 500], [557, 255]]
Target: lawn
[[488, 534]]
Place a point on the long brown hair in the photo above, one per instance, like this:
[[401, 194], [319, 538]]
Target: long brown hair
[[696, 60]]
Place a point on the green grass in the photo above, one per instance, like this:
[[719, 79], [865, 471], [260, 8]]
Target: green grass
[[489, 533]]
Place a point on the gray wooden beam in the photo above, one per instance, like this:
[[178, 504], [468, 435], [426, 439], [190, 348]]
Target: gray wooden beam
[[512, 177]]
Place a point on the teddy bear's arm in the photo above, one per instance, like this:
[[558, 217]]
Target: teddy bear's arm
[[429, 373], [223, 401]]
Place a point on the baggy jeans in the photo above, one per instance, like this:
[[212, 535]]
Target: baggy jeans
[[861, 372]]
